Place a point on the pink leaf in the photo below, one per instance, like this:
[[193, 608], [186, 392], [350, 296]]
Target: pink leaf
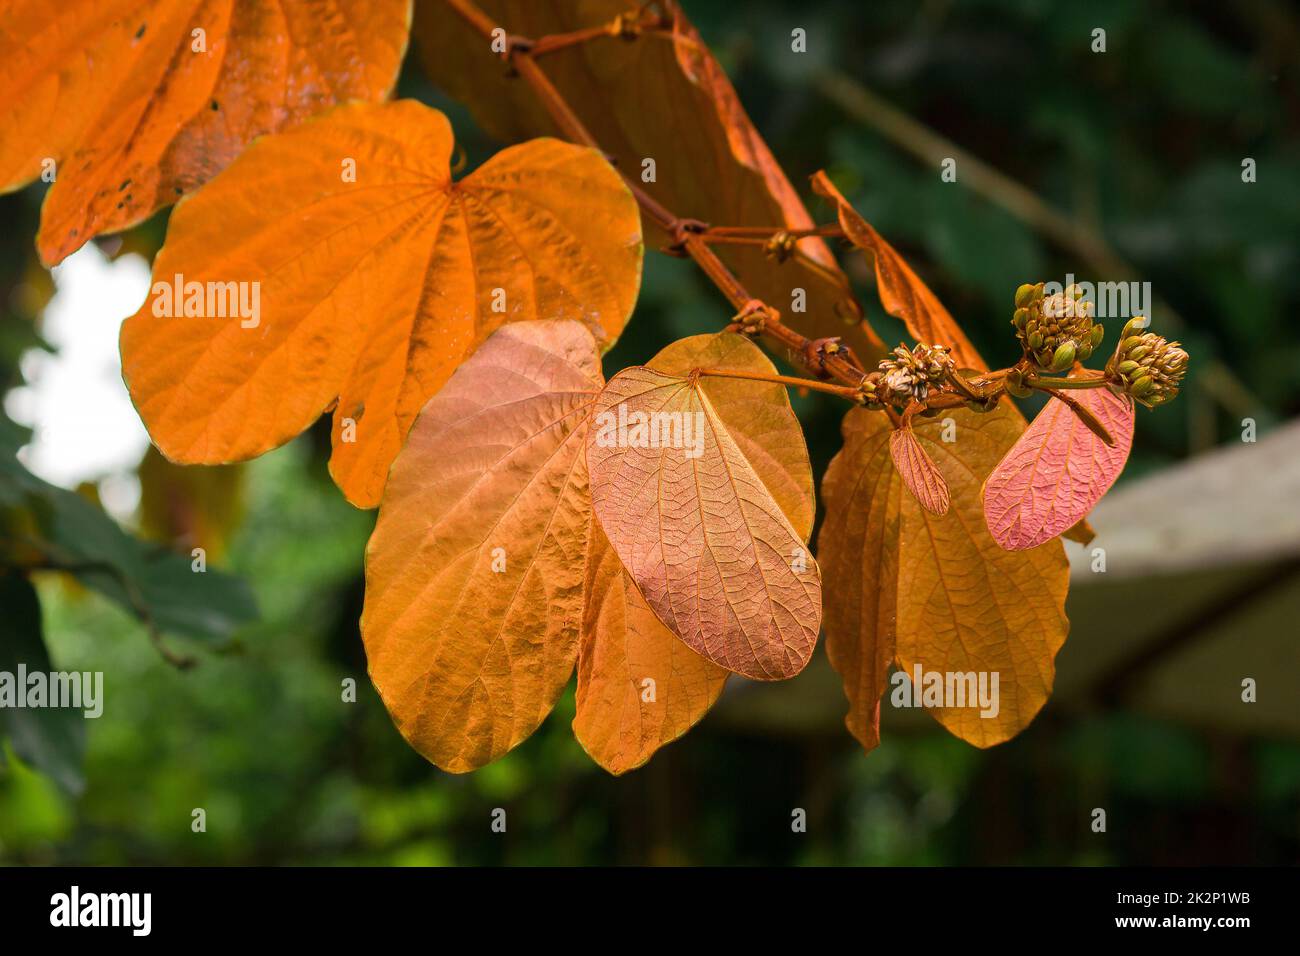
[[1057, 471], [919, 472]]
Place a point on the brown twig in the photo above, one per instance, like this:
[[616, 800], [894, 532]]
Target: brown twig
[[687, 234], [824, 358], [843, 391]]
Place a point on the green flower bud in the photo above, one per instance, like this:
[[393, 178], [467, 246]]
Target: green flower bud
[[1146, 366], [1133, 327], [1045, 325], [1063, 357]]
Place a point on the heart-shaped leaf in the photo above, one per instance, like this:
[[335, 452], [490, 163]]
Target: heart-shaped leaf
[[757, 416], [1058, 470], [486, 574], [139, 102], [954, 603], [697, 529], [349, 269], [475, 570]]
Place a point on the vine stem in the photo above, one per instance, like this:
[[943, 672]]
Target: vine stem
[[823, 358], [760, 234]]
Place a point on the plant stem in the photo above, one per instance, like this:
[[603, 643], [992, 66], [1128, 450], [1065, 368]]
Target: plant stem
[[687, 234], [1048, 384], [843, 391], [764, 233]]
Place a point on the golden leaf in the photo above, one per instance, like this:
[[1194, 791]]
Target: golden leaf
[[369, 290], [956, 602], [639, 687], [901, 290], [475, 571], [140, 101], [857, 549]]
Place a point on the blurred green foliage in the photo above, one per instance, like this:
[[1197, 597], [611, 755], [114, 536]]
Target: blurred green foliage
[[1141, 146]]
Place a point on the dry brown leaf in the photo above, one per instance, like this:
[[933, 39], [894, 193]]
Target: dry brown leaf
[[371, 289], [959, 603], [705, 541], [475, 571], [660, 96]]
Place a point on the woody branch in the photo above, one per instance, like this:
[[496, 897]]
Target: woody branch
[[823, 358]]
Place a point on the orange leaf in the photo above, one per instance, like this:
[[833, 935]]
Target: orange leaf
[[639, 687], [663, 97], [857, 549], [1081, 532], [901, 290], [696, 528], [918, 471], [955, 603], [370, 289], [1058, 470], [966, 605], [142, 100], [475, 570], [486, 576]]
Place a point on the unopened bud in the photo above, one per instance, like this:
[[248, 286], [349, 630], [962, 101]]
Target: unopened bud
[[1055, 331], [1064, 357], [1146, 366]]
